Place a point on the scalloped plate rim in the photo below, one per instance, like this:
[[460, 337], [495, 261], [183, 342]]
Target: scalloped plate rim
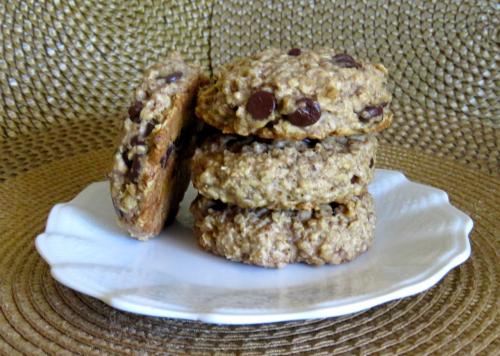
[[425, 280]]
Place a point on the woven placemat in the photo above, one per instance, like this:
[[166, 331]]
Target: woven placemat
[[39, 314], [62, 61], [66, 71]]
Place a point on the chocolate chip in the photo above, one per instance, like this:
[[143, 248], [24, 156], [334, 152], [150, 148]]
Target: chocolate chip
[[294, 52], [372, 162], [310, 142], [344, 60], [370, 112], [334, 207], [355, 179], [133, 173], [125, 158], [261, 104], [217, 205], [149, 127], [136, 141], [134, 111], [308, 113], [172, 77], [166, 155], [338, 208]]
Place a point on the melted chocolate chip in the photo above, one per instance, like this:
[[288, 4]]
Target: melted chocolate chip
[[372, 162], [338, 208], [136, 141], [134, 111], [133, 173], [308, 113], [355, 179], [261, 104], [128, 162], [370, 112], [217, 205], [310, 142], [334, 207], [294, 52], [172, 77], [344, 60], [149, 127], [166, 155]]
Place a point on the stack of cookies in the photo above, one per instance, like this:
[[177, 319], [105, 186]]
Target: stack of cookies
[[284, 179]]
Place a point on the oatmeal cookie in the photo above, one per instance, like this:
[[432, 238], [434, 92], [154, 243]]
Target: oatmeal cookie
[[277, 174], [334, 234], [150, 170], [297, 94]]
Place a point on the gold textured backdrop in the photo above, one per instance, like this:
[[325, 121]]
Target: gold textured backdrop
[[67, 69]]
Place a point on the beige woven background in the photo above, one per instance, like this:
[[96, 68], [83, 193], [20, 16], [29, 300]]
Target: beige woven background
[[66, 72]]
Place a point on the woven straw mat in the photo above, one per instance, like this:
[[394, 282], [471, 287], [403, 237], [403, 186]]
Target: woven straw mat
[[67, 69]]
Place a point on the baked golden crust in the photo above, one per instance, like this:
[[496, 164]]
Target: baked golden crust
[[334, 234], [150, 171], [311, 95]]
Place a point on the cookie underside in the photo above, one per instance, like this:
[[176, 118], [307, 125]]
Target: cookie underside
[[151, 170], [335, 234]]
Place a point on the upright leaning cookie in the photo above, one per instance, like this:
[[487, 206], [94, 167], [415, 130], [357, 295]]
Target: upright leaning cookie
[[280, 174], [151, 169], [334, 234], [297, 94]]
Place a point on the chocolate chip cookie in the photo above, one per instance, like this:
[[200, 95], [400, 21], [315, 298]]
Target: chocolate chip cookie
[[277, 174], [297, 94], [334, 234], [151, 170]]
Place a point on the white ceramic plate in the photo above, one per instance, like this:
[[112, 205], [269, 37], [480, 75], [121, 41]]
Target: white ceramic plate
[[419, 238]]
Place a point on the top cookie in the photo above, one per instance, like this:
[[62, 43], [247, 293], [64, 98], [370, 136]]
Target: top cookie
[[297, 94]]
